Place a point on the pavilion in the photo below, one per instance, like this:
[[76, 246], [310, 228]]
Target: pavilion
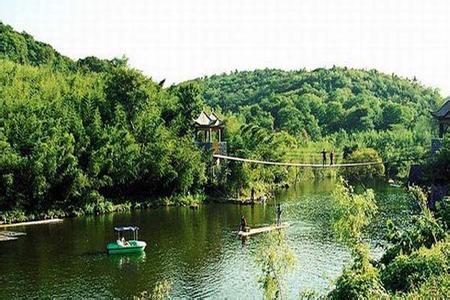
[[209, 132], [442, 115]]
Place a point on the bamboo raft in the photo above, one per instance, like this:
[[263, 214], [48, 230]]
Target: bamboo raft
[[262, 230], [32, 223], [10, 235]]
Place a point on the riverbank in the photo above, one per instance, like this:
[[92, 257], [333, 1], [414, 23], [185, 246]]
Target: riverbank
[[18, 216], [249, 197], [105, 206], [242, 201]]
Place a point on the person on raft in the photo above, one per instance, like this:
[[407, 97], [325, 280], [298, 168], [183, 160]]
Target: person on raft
[[243, 226], [278, 211]]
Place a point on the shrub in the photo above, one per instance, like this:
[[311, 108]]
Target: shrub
[[435, 288], [351, 212], [425, 231], [443, 211], [363, 173], [407, 272], [361, 280], [126, 206], [97, 204], [186, 200], [276, 259], [13, 216], [358, 284]]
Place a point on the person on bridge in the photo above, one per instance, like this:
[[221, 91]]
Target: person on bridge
[[324, 157], [243, 226], [278, 211], [331, 157]]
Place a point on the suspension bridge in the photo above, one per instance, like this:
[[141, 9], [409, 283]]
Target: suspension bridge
[[293, 164]]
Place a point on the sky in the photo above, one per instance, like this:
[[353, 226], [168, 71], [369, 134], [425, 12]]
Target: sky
[[184, 39]]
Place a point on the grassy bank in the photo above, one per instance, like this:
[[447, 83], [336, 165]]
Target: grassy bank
[[100, 207]]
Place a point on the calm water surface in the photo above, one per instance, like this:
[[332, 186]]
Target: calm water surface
[[196, 250]]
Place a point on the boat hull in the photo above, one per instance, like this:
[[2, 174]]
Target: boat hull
[[131, 247]]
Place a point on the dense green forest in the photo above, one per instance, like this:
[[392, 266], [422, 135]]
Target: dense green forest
[[332, 108], [75, 133], [72, 133]]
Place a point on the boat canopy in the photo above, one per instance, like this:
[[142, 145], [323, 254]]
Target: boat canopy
[[126, 228]]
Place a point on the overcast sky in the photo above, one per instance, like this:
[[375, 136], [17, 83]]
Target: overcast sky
[[184, 39]]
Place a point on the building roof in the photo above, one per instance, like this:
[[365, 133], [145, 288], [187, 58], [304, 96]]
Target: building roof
[[443, 112], [211, 120]]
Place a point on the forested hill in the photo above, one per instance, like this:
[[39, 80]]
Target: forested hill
[[23, 49], [321, 101]]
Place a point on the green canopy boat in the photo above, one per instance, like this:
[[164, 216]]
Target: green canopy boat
[[124, 246]]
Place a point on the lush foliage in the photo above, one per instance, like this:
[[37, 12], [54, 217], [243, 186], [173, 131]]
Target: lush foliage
[[321, 101], [437, 168], [359, 281], [363, 173], [407, 272], [416, 260], [22, 48], [252, 141], [73, 134], [276, 259], [352, 212], [437, 287], [334, 108], [424, 232], [68, 139]]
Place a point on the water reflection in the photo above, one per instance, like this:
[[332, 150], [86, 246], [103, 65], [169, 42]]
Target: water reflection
[[128, 261]]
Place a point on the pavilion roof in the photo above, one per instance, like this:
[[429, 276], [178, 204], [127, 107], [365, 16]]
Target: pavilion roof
[[211, 120], [443, 112]]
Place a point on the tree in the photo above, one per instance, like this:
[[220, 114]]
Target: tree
[[394, 113], [190, 104], [351, 214], [276, 259], [366, 172], [130, 89]]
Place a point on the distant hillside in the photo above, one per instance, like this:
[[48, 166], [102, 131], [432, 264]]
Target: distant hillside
[[321, 101], [23, 49]]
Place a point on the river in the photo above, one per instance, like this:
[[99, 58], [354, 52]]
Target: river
[[196, 250]]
